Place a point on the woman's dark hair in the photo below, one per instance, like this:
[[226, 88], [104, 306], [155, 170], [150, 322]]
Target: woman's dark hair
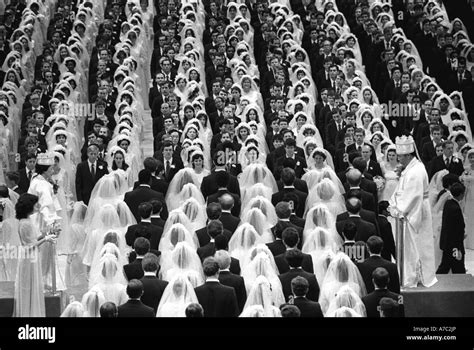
[[25, 205], [196, 156], [114, 165], [41, 169]]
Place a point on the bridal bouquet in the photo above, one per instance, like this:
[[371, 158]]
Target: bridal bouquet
[[379, 182], [55, 228]]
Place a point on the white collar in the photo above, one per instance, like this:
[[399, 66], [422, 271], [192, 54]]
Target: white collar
[[148, 273], [284, 220], [225, 211], [224, 270], [292, 186], [146, 220], [155, 216], [144, 185], [212, 279], [90, 164]]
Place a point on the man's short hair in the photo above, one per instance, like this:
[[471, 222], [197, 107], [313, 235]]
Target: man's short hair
[[108, 309], [150, 263], [194, 310], [141, 245], [349, 230], [223, 259], [210, 267], [157, 206], [380, 277], [283, 210], [375, 244], [145, 209], [134, 289], [288, 310], [299, 286]]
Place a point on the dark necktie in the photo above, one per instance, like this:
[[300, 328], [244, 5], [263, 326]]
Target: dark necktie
[[30, 175], [167, 170], [447, 163], [93, 171]]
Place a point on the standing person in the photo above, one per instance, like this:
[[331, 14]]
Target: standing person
[[467, 178], [452, 236], [216, 299], [29, 297], [410, 201], [88, 173], [46, 217]]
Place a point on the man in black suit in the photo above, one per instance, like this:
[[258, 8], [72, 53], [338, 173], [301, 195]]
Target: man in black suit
[[216, 299], [144, 193], [293, 200], [359, 137], [288, 177], [227, 278], [386, 233], [353, 177], [366, 215], [277, 247], [447, 161], [11, 179], [144, 228], [364, 229], [209, 185], [27, 173], [428, 150], [134, 306], [380, 279], [222, 181], [153, 287], [299, 289], [375, 246], [452, 236], [88, 173], [290, 239], [334, 126], [300, 166], [222, 243], [295, 259], [214, 228], [134, 269], [229, 221], [214, 212], [283, 212], [349, 232], [157, 184], [366, 181], [171, 163], [373, 167], [155, 217]]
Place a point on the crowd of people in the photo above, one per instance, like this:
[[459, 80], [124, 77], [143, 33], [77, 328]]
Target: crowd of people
[[289, 139]]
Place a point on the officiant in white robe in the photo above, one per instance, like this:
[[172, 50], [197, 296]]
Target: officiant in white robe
[[410, 201]]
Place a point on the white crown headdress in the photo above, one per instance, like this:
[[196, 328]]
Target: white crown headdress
[[405, 145], [45, 158]]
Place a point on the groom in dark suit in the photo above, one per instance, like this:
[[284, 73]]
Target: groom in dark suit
[[143, 193], [216, 299], [88, 173], [451, 240]]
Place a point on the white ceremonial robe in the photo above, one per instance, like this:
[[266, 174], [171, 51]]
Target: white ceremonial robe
[[411, 201]]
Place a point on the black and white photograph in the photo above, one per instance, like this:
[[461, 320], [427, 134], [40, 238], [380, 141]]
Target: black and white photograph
[[176, 159]]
